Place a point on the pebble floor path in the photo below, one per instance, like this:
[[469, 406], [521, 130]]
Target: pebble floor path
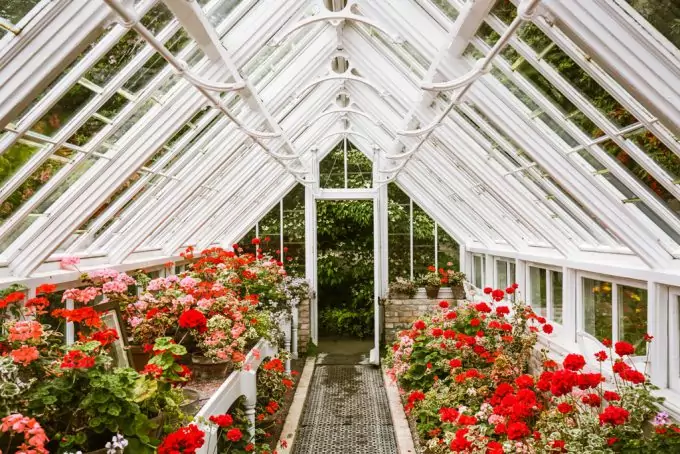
[[347, 411]]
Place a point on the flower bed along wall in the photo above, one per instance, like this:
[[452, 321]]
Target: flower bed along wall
[[464, 374]]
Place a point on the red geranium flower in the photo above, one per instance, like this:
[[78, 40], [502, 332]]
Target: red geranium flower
[[574, 361], [524, 381], [624, 348], [488, 290], [591, 399], [482, 307], [547, 328], [75, 359], [601, 356], [611, 396], [497, 295], [45, 289], [419, 324], [222, 420], [105, 337], [614, 415], [565, 408], [633, 376], [234, 435], [444, 304], [192, 318], [185, 440], [455, 362], [517, 430]]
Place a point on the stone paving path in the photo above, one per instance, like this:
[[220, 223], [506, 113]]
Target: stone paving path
[[347, 411]]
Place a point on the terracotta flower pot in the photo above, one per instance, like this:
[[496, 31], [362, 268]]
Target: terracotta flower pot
[[208, 368], [458, 292], [139, 357], [432, 291]]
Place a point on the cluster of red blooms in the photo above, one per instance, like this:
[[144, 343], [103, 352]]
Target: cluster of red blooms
[[185, 440], [12, 298], [75, 359], [84, 315], [193, 319], [477, 332], [274, 364]]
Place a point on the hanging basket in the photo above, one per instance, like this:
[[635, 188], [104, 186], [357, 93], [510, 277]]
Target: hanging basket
[[458, 292], [431, 291], [208, 368]]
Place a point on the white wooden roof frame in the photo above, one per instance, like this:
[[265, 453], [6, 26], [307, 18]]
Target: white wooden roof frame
[[222, 167]]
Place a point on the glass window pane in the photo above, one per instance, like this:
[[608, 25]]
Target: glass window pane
[[221, 11], [656, 150], [447, 250], [423, 241], [597, 308], [115, 59], [538, 295], [65, 109], [625, 160], [513, 276], [446, 8], [71, 181], [399, 245], [588, 87], [15, 157], [664, 15], [87, 131], [556, 295], [32, 184], [14, 10], [633, 317], [478, 267], [501, 274]]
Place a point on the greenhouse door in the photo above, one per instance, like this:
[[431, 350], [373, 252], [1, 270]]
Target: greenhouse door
[[379, 198]]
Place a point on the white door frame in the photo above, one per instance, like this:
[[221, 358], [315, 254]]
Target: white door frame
[[380, 258]]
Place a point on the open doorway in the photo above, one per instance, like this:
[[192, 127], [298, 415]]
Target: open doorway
[[345, 275]]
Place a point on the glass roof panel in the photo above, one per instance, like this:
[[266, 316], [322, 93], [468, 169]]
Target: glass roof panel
[[35, 181], [13, 11], [664, 15], [446, 8], [220, 10]]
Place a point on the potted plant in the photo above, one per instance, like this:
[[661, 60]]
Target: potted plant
[[402, 288], [78, 396], [457, 281], [432, 281]]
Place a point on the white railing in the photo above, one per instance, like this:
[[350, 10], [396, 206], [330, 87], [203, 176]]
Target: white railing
[[239, 383]]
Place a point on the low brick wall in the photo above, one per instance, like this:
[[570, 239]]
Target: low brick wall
[[304, 326], [401, 313]]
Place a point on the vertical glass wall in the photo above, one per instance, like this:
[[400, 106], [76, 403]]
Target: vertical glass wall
[[615, 311], [545, 292]]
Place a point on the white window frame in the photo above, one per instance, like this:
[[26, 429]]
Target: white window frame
[[615, 281], [674, 338], [510, 273], [473, 271], [549, 303]]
